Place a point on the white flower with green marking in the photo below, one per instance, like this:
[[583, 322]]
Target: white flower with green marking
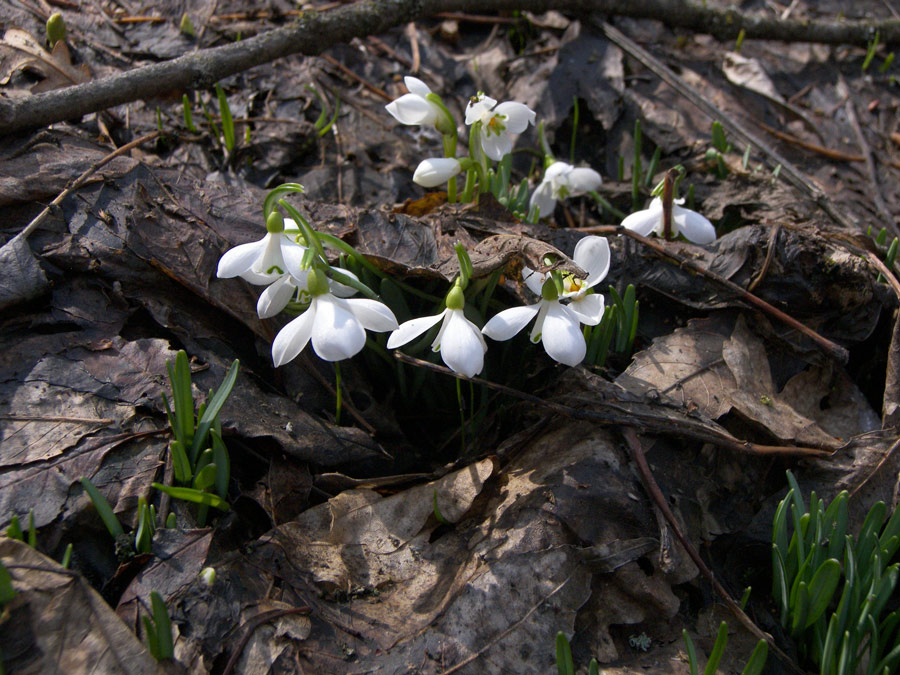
[[563, 180], [264, 261], [692, 225], [497, 123]]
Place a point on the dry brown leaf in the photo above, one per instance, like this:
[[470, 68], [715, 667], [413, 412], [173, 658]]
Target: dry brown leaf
[[20, 51]]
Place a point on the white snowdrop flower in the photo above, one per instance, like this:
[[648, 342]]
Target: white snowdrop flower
[[692, 225], [563, 180], [497, 123]]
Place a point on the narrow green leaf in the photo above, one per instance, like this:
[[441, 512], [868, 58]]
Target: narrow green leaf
[[182, 399], [32, 533], [829, 649], [67, 556], [227, 119], [150, 634], [719, 141], [779, 585], [222, 463], [213, 407], [800, 608], [745, 598], [205, 478], [7, 591], [103, 508], [195, 496], [593, 667], [14, 529], [180, 463], [144, 533], [171, 522], [692, 654], [717, 651], [821, 589], [891, 530], [564, 664], [188, 114], [871, 526], [163, 626], [757, 660], [779, 525], [841, 521]]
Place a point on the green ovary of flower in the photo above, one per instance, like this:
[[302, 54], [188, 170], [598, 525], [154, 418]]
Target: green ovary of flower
[[317, 282], [275, 223], [456, 299]]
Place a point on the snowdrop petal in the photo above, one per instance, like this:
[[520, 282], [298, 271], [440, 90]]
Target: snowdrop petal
[[336, 334], [693, 226], [518, 116], [372, 314], [543, 198], [592, 255], [291, 339], [436, 171], [647, 221], [496, 146], [239, 259], [412, 329], [416, 86], [292, 254], [562, 337], [276, 297], [412, 109], [588, 308], [480, 109], [338, 289], [533, 280], [462, 347], [583, 180], [509, 322]]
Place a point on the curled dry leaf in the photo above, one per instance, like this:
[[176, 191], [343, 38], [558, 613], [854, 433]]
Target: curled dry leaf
[[20, 51]]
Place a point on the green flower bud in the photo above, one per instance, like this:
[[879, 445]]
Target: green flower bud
[[56, 29], [456, 299], [275, 222], [208, 576]]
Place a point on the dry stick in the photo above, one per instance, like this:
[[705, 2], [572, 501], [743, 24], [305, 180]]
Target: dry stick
[[637, 452], [82, 179], [883, 210], [886, 272], [313, 32], [252, 625], [788, 170], [770, 254], [611, 413], [812, 147], [881, 463], [834, 350]]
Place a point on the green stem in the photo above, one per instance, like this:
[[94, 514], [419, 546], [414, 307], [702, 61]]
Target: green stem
[[347, 280], [312, 239], [337, 389], [470, 186], [274, 195]]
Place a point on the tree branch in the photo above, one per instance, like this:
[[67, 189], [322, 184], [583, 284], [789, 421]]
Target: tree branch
[[313, 32]]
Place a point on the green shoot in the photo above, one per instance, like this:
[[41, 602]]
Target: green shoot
[[888, 62], [564, 663], [158, 629], [227, 120], [187, 26], [104, 509], [740, 41], [188, 114], [7, 591], [56, 29], [870, 51], [574, 129]]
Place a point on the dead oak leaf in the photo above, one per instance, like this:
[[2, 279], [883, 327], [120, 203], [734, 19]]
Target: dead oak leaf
[[22, 52]]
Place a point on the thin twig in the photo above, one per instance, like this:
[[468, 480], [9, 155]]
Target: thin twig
[[834, 350], [770, 255], [637, 452], [881, 463], [53, 418], [886, 272], [812, 147], [612, 412], [82, 179]]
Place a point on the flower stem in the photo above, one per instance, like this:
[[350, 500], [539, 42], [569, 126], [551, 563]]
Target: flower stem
[[337, 389], [462, 416], [470, 186], [667, 196]]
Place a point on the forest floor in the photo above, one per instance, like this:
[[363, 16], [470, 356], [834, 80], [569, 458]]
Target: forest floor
[[392, 540]]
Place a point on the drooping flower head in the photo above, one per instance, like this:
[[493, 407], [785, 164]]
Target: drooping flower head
[[436, 171], [692, 225], [497, 122], [563, 180], [336, 326], [264, 261], [558, 316], [420, 106]]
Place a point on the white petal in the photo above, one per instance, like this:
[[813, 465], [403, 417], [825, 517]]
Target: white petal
[[239, 259], [583, 180], [271, 261], [557, 170], [292, 254], [478, 110], [337, 289], [336, 333], [416, 86], [510, 321], [588, 308], [291, 339], [518, 116], [436, 171], [562, 338], [462, 347], [276, 297], [412, 109], [643, 222], [542, 197], [533, 280], [372, 314], [412, 329], [496, 146], [694, 226], [592, 255]]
